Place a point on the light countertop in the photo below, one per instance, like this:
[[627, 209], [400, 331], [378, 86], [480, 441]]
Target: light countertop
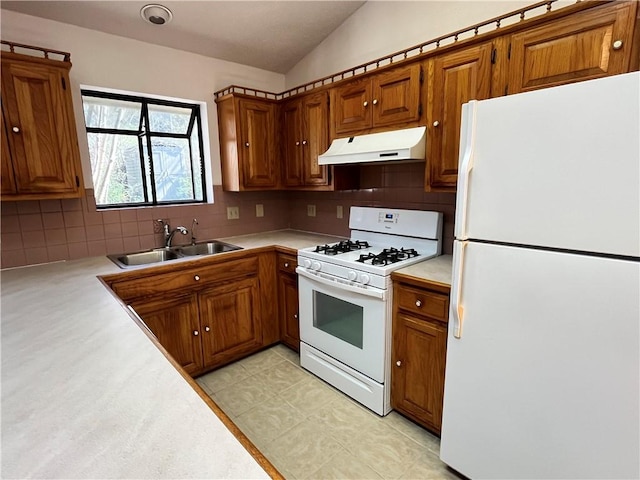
[[437, 270], [86, 394]]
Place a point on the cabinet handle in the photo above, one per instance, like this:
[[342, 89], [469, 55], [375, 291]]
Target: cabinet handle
[[295, 315], [617, 45], [246, 144], [375, 101], [304, 142], [196, 333], [297, 144], [196, 277], [436, 123], [365, 104], [418, 303], [16, 130], [286, 265], [207, 329], [398, 363]]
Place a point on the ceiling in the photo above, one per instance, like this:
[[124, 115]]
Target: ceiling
[[271, 35]]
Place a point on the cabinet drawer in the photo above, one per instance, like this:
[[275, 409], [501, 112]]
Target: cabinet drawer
[[287, 263], [178, 281], [422, 302]]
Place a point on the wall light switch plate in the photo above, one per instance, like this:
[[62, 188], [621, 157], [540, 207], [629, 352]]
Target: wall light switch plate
[[233, 213], [311, 210], [259, 210], [339, 213]]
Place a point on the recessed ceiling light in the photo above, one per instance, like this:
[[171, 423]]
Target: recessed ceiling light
[[156, 14]]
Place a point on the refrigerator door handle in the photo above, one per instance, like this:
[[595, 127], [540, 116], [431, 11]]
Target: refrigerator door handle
[[466, 164], [457, 307]]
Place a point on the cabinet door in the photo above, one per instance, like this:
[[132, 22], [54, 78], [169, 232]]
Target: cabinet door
[[351, 107], [588, 45], [259, 154], [7, 179], [174, 322], [419, 353], [315, 138], [40, 123], [230, 319], [292, 175], [457, 78], [396, 96], [288, 296]]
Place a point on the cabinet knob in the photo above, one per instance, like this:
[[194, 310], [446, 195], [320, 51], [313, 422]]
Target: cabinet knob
[[246, 144], [297, 144], [196, 333], [375, 101], [196, 277], [304, 142], [398, 363], [207, 329], [295, 315], [617, 45], [436, 123], [16, 130], [286, 265], [418, 303], [365, 104]]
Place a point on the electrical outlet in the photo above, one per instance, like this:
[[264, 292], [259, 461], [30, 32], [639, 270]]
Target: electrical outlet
[[233, 213], [311, 210], [339, 211], [259, 210]]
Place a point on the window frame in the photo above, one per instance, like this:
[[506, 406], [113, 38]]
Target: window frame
[[146, 164]]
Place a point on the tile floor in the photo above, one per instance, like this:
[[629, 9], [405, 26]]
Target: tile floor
[[309, 430]]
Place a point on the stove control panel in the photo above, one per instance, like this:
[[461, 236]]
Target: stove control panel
[[386, 217]]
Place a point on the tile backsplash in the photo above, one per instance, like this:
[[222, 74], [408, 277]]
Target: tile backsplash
[[50, 230]]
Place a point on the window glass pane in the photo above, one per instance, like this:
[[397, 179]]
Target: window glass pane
[[166, 119], [197, 164], [115, 164], [338, 318], [172, 169], [114, 114]]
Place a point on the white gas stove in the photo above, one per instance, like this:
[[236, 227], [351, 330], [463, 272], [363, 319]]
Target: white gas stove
[[345, 298]]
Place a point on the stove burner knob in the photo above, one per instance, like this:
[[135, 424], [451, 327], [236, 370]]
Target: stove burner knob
[[316, 266], [352, 275], [364, 278], [306, 263]]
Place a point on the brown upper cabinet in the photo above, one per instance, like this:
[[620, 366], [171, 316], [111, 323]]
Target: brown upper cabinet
[[454, 79], [248, 143], [390, 98], [305, 135], [588, 45], [40, 154]]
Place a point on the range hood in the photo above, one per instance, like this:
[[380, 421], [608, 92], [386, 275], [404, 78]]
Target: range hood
[[405, 145]]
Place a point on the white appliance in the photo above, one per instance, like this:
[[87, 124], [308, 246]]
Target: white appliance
[[345, 298], [394, 146], [543, 363]]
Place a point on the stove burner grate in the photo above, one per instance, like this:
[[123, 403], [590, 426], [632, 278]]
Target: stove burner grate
[[388, 256], [341, 247]]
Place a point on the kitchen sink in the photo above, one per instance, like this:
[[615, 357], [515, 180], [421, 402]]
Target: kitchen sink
[[207, 248], [158, 255]]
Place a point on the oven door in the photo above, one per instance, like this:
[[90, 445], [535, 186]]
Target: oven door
[[344, 321]]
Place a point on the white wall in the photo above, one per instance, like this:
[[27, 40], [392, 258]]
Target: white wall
[[380, 28], [104, 60]]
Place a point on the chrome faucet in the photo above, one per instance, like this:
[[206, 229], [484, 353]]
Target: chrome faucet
[[193, 231], [168, 233]]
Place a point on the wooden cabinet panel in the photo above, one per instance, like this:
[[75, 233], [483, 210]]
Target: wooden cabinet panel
[[6, 175], [292, 175], [396, 96], [419, 367], [315, 138], [580, 47], [229, 315], [40, 127], [458, 77], [422, 302], [174, 322], [288, 301], [351, 110], [258, 132]]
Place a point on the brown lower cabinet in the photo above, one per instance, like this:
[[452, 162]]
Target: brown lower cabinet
[[204, 316], [288, 301], [420, 315]]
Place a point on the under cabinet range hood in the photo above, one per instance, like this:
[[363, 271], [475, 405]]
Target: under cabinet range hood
[[407, 145]]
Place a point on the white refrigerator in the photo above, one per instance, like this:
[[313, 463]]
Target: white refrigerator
[[543, 365]]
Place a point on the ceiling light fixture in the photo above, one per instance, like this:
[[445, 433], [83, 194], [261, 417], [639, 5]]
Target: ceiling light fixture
[[156, 14]]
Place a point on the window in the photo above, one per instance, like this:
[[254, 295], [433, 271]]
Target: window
[[144, 151]]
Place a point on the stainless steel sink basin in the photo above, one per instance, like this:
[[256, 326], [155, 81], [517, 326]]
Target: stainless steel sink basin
[[207, 248], [158, 255]]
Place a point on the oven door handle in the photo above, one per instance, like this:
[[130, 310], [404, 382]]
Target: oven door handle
[[317, 277]]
